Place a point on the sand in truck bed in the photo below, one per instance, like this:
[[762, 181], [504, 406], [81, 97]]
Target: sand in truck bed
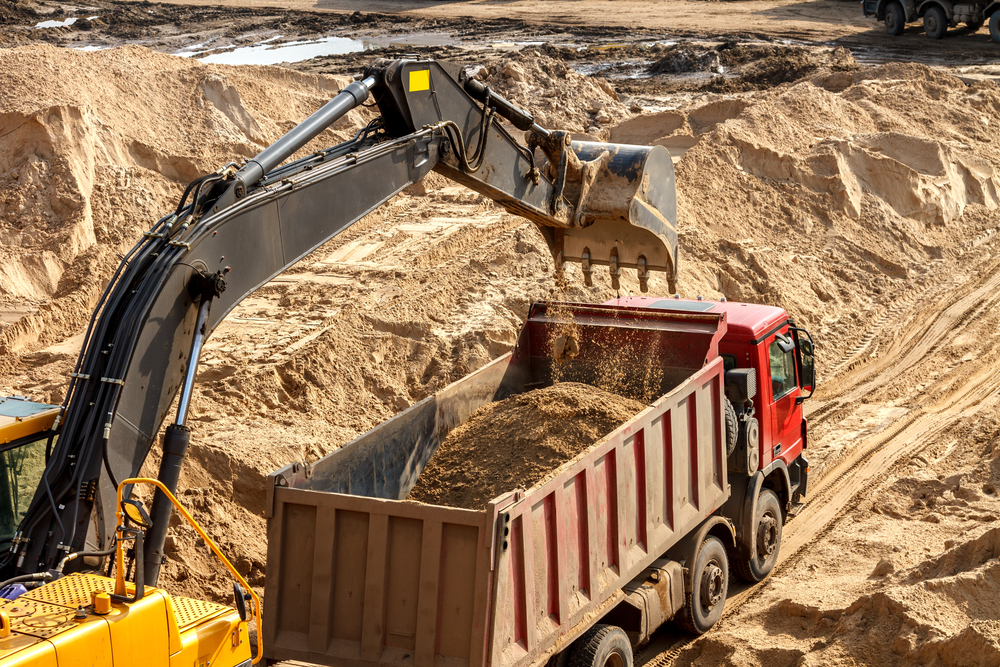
[[516, 442]]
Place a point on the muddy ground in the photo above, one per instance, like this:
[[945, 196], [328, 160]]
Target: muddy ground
[[815, 172]]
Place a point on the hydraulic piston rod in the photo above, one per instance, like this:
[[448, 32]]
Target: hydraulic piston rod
[[176, 439], [350, 97]]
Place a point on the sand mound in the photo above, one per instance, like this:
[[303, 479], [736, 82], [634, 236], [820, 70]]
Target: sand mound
[[516, 442], [559, 97], [942, 611], [818, 200], [95, 147]]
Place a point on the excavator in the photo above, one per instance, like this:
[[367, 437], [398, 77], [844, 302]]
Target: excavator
[[82, 554]]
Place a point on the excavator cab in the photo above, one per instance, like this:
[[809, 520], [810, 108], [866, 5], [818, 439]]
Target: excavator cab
[[25, 427]]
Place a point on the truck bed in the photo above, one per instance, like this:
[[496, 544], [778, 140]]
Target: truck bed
[[359, 576]]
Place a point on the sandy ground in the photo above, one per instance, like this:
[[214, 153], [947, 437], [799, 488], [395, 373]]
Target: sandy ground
[[862, 198]]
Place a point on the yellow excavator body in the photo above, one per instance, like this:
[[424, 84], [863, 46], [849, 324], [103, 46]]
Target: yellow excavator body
[[72, 622]]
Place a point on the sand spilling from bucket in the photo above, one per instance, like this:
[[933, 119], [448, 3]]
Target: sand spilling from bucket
[[517, 442]]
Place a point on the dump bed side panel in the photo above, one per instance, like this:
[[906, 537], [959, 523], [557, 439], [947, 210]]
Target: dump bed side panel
[[571, 544], [361, 581]]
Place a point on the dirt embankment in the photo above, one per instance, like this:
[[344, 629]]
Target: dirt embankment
[[92, 149], [516, 442]]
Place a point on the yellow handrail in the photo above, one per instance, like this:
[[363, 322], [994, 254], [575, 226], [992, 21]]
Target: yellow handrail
[[120, 552]]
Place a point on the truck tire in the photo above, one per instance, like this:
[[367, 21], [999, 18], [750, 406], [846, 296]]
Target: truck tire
[[732, 428], [602, 646], [703, 605], [995, 27], [895, 19], [767, 538], [935, 22]]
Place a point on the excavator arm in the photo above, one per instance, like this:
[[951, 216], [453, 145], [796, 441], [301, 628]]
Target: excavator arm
[[234, 230]]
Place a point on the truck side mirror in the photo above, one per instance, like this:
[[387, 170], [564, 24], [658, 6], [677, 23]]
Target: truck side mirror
[[806, 361], [785, 343]]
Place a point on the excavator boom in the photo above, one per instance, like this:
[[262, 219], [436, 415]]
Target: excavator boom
[[234, 230]]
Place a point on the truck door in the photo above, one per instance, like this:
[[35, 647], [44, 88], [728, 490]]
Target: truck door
[[786, 429]]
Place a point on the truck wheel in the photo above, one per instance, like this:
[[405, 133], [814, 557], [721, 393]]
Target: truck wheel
[[935, 22], [895, 19], [995, 27], [732, 428], [767, 539], [602, 646], [703, 605]]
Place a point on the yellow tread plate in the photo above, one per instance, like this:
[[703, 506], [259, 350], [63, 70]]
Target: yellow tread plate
[[72, 590], [188, 611], [38, 619]]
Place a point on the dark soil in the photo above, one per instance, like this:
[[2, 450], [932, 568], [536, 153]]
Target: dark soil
[[517, 442]]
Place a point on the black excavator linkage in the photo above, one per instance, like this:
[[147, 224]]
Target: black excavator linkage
[[234, 230]]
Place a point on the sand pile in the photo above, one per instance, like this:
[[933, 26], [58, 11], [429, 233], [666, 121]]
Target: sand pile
[[942, 611], [823, 195], [515, 443], [558, 97], [96, 147]]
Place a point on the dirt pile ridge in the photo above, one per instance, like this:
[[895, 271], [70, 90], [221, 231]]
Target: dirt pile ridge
[[95, 147], [514, 443], [559, 97]]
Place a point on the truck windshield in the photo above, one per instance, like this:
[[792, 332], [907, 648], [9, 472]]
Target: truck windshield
[[21, 469], [782, 370]]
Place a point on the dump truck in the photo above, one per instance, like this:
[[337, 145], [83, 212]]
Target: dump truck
[[639, 529], [83, 555], [937, 15]]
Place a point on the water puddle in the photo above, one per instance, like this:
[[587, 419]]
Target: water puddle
[[55, 24], [264, 53], [60, 24]]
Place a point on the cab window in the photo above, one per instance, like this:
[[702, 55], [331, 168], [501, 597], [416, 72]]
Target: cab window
[[782, 368], [728, 361], [21, 468]]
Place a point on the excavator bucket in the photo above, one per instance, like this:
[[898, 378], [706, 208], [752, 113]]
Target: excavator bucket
[[625, 215]]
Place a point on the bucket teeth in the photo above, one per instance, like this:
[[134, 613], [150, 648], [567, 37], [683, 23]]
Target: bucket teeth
[[622, 209]]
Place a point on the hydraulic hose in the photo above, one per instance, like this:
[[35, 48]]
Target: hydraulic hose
[[36, 576]]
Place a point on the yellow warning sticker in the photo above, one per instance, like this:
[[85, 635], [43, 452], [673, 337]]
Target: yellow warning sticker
[[420, 80]]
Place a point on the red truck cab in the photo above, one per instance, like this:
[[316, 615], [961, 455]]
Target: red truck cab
[[762, 349]]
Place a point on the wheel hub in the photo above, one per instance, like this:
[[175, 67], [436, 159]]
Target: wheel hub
[[711, 586], [767, 536]]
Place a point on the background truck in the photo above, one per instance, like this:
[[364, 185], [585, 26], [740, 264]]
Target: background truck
[[639, 529], [937, 15]]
